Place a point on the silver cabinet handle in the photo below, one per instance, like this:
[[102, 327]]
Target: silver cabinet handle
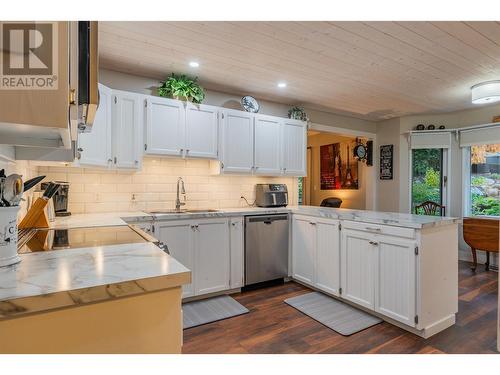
[[373, 229], [312, 223], [373, 243], [187, 150], [110, 160], [233, 224]]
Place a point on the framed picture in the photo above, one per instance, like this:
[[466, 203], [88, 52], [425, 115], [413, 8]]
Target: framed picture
[[386, 162], [338, 167]]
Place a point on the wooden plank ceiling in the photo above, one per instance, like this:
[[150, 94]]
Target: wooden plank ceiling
[[371, 70]]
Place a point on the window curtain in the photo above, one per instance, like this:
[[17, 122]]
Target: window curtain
[[480, 136], [430, 140]]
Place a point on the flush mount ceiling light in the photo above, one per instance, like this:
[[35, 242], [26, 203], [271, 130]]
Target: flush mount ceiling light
[[486, 92], [281, 85], [194, 64]]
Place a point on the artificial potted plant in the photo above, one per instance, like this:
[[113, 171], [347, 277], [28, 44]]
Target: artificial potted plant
[[182, 87], [297, 113]]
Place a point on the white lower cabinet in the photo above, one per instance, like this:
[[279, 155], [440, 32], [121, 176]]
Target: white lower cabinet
[[236, 234], [379, 273], [358, 264], [180, 239], [211, 268], [203, 246], [396, 279], [315, 252]]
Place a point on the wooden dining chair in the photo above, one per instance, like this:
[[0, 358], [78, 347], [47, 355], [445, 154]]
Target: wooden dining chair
[[430, 208]]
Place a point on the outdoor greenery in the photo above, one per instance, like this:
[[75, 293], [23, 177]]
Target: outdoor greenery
[[426, 185], [485, 186], [182, 87]]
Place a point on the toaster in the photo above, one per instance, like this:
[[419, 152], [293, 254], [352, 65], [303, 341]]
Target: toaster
[[271, 195]]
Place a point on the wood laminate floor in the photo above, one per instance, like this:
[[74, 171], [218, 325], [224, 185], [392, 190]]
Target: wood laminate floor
[[274, 327]]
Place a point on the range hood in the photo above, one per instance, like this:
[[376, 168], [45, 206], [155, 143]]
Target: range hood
[[48, 85]]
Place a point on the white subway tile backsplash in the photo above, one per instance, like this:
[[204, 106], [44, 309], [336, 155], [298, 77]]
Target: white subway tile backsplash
[[154, 187]]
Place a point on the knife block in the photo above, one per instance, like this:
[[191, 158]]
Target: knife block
[[36, 216]]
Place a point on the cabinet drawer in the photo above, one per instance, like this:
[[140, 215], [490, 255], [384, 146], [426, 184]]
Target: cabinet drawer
[[379, 229]]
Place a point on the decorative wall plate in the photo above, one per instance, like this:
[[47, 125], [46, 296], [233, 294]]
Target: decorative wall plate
[[360, 151], [250, 104]]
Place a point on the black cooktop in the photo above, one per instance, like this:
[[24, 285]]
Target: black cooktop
[[61, 239]]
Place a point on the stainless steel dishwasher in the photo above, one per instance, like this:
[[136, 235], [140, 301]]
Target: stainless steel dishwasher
[[266, 248]]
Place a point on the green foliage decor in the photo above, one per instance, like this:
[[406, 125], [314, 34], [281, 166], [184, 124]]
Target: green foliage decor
[[182, 87], [298, 113]]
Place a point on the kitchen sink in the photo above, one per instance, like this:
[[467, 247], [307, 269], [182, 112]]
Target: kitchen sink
[[174, 211]]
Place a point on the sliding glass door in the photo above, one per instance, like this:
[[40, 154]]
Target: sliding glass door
[[428, 181]]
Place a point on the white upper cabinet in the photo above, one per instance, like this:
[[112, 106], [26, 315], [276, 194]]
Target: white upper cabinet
[[267, 145], [127, 129], [95, 147], [237, 131], [201, 131], [294, 145], [165, 119]]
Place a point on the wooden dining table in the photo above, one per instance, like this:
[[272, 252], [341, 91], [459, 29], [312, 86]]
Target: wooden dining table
[[482, 233]]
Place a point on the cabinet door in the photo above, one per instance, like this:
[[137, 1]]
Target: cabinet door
[[126, 132], [267, 145], [396, 273], [294, 145], [328, 256], [165, 119], [179, 237], [237, 142], [201, 131], [303, 249], [95, 146], [211, 256], [237, 252], [358, 264]]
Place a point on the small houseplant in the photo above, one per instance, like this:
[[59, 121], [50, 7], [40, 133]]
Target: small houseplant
[[297, 113], [182, 87]]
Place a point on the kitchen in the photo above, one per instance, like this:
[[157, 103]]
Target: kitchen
[[192, 214]]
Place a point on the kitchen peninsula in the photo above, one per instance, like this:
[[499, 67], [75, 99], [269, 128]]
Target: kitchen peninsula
[[400, 267]]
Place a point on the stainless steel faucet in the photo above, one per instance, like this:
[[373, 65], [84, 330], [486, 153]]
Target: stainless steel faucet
[[180, 190]]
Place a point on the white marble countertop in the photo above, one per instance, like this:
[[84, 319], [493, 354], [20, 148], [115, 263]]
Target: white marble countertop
[[85, 275], [373, 217]]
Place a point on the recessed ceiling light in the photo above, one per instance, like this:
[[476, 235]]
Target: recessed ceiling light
[[486, 92], [281, 84], [194, 64]]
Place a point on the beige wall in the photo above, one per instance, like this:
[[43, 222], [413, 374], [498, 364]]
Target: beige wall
[[154, 187], [394, 195], [350, 198], [144, 85]]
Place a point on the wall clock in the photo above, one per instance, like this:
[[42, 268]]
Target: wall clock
[[250, 104], [360, 151]]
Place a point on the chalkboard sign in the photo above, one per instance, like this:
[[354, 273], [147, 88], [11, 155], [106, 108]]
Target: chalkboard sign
[[386, 162]]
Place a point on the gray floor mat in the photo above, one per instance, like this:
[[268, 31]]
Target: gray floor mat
[[340, 317], [210, 310]]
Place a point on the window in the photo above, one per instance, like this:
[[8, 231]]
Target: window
[[428, 177], [484, 184]]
